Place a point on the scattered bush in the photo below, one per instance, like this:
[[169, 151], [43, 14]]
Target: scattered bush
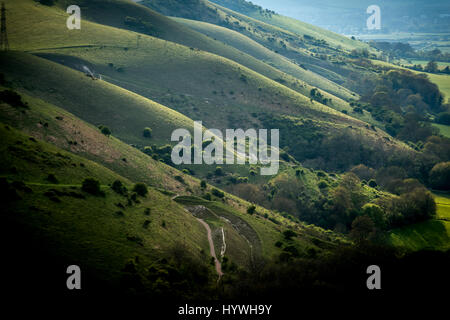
[[118, 187], [292, 250], [362, 228], [218, 171], [440, 176], [51, 178], [321, 174], [12, 98], [217, 193], [443, 118], [140, 189], [147, 132], [373, 183], [92, 186], [251, 209], [242, 180], [288, 234], [148, 150], [105, 130], [323, 184], [179, 179], [207, 196]]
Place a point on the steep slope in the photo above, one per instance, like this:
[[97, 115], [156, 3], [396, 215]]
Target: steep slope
[[30, 161], [120, 13], [293, 25], [95, 101], [193, 82], [315, 54], [256, 50], [100, 233]]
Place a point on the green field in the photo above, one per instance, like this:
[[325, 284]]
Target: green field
[[443, 129], [433, 234]]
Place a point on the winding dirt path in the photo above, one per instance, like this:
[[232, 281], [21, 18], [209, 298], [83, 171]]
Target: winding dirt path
[[211, 248]]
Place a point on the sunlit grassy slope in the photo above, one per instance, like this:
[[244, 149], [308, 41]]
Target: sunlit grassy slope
[[302, 28], [432, 234], [202, 86], [304, 49], [95, 101], [251, 47], [443, 129], [162, 27]]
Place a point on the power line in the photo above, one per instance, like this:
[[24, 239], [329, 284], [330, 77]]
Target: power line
[[4, 44]]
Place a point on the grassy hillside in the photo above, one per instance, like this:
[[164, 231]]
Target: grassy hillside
[[256, 50], [443, 129], [293, 25], [314, 54], [119, 13], [82, 227], [95, 101], [57, 126]]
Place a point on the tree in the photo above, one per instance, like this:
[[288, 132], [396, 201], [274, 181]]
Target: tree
[[92, 186], [217, 193], [105, 130], [288, 234], [443, 118], [440, 176], [118, 187], [362, 228], [140, 189], [372, 183], [432, 67], [376, 214], [218, 171], [414, 206], [147, 132], [203, 184], [251, 209], [148, 150]]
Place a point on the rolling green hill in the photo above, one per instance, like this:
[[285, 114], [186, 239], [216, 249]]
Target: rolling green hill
[[293, 25], [154, 24], [122, 228], [178, 69], [256, 50], [315, 54], [94, 230], [102, 103]]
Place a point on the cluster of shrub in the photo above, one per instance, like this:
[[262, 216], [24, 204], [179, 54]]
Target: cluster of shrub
[[316, 95], [140, 25], [402, 101]]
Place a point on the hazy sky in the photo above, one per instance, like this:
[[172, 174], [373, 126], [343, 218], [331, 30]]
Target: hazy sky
[[349, 16]]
